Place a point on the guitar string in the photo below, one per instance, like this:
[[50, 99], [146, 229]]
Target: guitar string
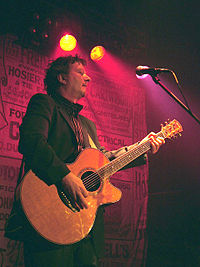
[[93, 179]]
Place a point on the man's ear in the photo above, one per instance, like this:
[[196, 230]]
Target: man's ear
[[61, 79]]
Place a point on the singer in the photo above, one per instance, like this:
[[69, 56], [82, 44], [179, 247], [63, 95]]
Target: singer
[[53, 133]]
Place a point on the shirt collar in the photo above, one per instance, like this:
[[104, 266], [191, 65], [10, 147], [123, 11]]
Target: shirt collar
[[72, 108]]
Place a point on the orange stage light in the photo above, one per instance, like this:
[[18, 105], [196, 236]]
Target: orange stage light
[[97, 53], [68, 42]]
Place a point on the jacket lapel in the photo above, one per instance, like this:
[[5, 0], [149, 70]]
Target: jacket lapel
[[68, 120], [85, 132]]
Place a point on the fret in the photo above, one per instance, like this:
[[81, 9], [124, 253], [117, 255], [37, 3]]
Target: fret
[[123, 160], [168, 131]]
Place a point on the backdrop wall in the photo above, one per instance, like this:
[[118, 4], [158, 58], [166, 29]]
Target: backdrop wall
[[119, 114]]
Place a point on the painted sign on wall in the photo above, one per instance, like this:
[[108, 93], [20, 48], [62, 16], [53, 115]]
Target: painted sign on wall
[[120, 119]]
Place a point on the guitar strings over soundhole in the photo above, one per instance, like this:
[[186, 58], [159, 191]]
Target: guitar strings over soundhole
[[91, 181]]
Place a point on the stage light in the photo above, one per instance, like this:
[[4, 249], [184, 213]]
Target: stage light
[[68, 42], [97, 53]]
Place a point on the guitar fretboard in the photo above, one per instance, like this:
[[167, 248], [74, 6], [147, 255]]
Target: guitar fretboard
[[123, 160]]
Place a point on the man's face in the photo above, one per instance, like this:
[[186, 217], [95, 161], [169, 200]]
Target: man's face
[[76, 82]]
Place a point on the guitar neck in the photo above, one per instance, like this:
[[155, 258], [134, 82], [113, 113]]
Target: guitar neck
[[123, 160]]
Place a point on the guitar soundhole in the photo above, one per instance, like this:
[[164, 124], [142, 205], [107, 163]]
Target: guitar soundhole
[[91, 181]]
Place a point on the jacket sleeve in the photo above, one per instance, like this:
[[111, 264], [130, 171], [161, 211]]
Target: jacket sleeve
[[39, 156]]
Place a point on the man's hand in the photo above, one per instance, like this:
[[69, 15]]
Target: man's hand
[[155, 141], [75, 191]]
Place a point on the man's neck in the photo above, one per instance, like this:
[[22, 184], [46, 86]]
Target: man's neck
[[71, 99]]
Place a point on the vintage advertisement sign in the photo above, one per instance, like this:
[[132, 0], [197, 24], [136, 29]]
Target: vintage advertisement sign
[[21, 76], [118, 110], [119, 113]]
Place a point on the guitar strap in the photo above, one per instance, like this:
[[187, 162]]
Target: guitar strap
[[92, 144]]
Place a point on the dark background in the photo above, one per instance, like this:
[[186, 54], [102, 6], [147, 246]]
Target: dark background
[[158, 34]]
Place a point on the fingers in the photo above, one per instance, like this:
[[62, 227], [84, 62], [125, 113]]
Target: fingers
[[82, 201], [84, 191], [75, 190], [74, 203], [156, 142], [78, 200], [81, 194]]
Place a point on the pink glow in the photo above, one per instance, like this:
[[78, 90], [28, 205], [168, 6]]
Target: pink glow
[[162, 105], [113, 68]]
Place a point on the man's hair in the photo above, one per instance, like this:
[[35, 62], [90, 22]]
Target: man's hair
[[56, 67]]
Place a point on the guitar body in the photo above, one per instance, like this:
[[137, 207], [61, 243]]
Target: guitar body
[[49, 214]]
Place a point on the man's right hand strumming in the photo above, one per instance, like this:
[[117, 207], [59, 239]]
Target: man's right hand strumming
[[75, 190]]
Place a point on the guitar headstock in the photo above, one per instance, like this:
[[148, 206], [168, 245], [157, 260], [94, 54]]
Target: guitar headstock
[[171, 129]]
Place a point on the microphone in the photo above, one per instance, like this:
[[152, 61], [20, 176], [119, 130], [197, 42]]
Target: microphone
[[141, 70]]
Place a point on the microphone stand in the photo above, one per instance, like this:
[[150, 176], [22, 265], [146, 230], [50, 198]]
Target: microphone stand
[[157, 81]]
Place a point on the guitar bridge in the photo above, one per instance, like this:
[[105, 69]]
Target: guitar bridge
[[66, 201]]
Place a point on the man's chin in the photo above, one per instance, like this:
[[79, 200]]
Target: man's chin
[[83, 93]]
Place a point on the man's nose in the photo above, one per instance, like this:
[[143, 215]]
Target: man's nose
[[87, 78]]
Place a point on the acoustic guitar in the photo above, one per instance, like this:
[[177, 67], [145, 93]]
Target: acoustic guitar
[[49, 209]]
